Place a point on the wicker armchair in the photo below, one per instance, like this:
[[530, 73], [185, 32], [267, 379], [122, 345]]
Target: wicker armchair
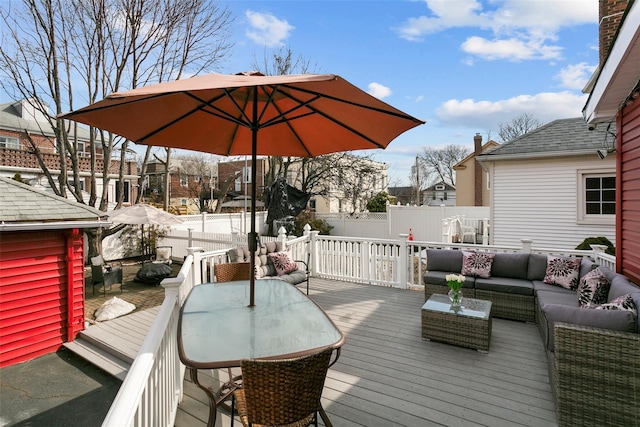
[[231, 271], [105, 274], [597, 376], [283, 392]]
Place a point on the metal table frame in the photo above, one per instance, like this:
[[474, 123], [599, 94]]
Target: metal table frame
[[217, 329]]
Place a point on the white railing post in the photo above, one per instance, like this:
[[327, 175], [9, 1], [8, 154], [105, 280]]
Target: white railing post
[[313, 249], [282, 237], [195, 251], [526, 246], [598, 249], [234, 238], [190, 238], [403, 263], [204, 222], [367, 260], [446, 231], [485, 231]]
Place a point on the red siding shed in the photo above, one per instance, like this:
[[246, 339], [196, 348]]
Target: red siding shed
[[41, 292]]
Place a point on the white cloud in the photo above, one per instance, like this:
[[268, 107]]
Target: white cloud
[[521, 29], [511, 49], [378, 90], [575, 76], [545, 107], [266, 29]]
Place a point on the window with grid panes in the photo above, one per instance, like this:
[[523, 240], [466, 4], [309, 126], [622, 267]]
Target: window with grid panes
[[600, 195]]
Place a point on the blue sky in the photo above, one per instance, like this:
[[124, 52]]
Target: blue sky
[[463, 66]]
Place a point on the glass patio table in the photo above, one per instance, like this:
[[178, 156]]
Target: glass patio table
[[217, 329]]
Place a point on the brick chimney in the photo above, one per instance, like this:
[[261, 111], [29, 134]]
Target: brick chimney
[[610, 15], [477, 169]]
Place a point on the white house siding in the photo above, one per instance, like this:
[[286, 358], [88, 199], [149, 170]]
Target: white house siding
[[537, 199]]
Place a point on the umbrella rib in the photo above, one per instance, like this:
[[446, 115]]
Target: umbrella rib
[[332, 119], [345, 101]]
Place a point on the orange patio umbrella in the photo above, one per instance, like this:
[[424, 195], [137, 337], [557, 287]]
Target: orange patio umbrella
[[303, 115]]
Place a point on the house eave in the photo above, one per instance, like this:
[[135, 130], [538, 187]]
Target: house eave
[[56, 225], [528, 156], [619, 74]]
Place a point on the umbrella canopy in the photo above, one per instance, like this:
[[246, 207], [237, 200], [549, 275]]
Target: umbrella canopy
[[143, 214], [302, 115]]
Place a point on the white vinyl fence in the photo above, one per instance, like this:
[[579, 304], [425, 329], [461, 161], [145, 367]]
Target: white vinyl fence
[[425, 222]]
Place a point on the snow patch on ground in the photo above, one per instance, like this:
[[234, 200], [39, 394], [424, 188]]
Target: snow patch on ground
[[115, 307]]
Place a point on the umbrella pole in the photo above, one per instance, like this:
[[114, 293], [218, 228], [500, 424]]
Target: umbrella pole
[[253, 236]]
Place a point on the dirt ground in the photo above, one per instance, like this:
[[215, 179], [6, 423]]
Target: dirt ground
[[139, 294]]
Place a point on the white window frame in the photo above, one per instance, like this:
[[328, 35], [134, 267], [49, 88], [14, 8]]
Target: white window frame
[[246, 174], [583, 217], [9, 142], [184, 180]]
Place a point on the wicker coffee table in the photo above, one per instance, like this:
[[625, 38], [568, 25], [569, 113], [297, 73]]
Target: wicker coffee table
[[466, 326]]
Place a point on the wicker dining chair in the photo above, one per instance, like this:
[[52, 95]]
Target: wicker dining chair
[[283, 392], [230, 271]]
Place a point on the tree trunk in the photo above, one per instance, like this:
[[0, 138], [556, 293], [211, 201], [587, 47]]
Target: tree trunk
[[94, 241]]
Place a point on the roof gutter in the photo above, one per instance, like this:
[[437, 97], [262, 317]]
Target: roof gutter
[[528, 156], [618, 76], [57, 225]]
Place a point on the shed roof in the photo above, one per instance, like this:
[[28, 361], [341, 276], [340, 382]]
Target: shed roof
[[563, 137], [20, 203]]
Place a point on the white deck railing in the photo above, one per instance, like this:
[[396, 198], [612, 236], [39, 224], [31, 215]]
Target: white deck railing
[[152, 389], [150, 393]]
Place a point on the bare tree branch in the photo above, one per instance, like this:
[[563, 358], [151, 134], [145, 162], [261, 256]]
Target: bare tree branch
[[439, 163], [518, 126]]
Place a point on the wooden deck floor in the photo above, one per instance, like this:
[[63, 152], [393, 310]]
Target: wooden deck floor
[[388, 376]]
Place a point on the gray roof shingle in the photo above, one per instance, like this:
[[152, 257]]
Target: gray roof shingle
[[22, 203], [563, 137]]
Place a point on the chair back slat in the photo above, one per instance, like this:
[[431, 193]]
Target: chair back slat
[[231, 271], [280, 392]]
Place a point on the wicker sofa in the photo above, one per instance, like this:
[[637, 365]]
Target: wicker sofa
[[593, 355], [265, 267]]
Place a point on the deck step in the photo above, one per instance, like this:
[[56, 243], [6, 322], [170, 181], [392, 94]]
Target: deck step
[[99, 357], [110, 344]]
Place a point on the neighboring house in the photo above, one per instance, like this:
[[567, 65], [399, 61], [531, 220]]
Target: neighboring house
[[19, 121], [404, 195], [41, 270], [236, 176], [188, 185], [439, 194], [473, 186], [338, 200], [354, 189], [549, 185], [615, 98]]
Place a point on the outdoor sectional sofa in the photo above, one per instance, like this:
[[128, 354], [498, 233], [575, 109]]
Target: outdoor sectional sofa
[[593, 354], [265, 267]]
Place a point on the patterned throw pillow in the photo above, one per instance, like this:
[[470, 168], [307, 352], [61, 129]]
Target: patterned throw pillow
[[593, 289], [282, 262], [624, 302], [563, 271], [477, 264]]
